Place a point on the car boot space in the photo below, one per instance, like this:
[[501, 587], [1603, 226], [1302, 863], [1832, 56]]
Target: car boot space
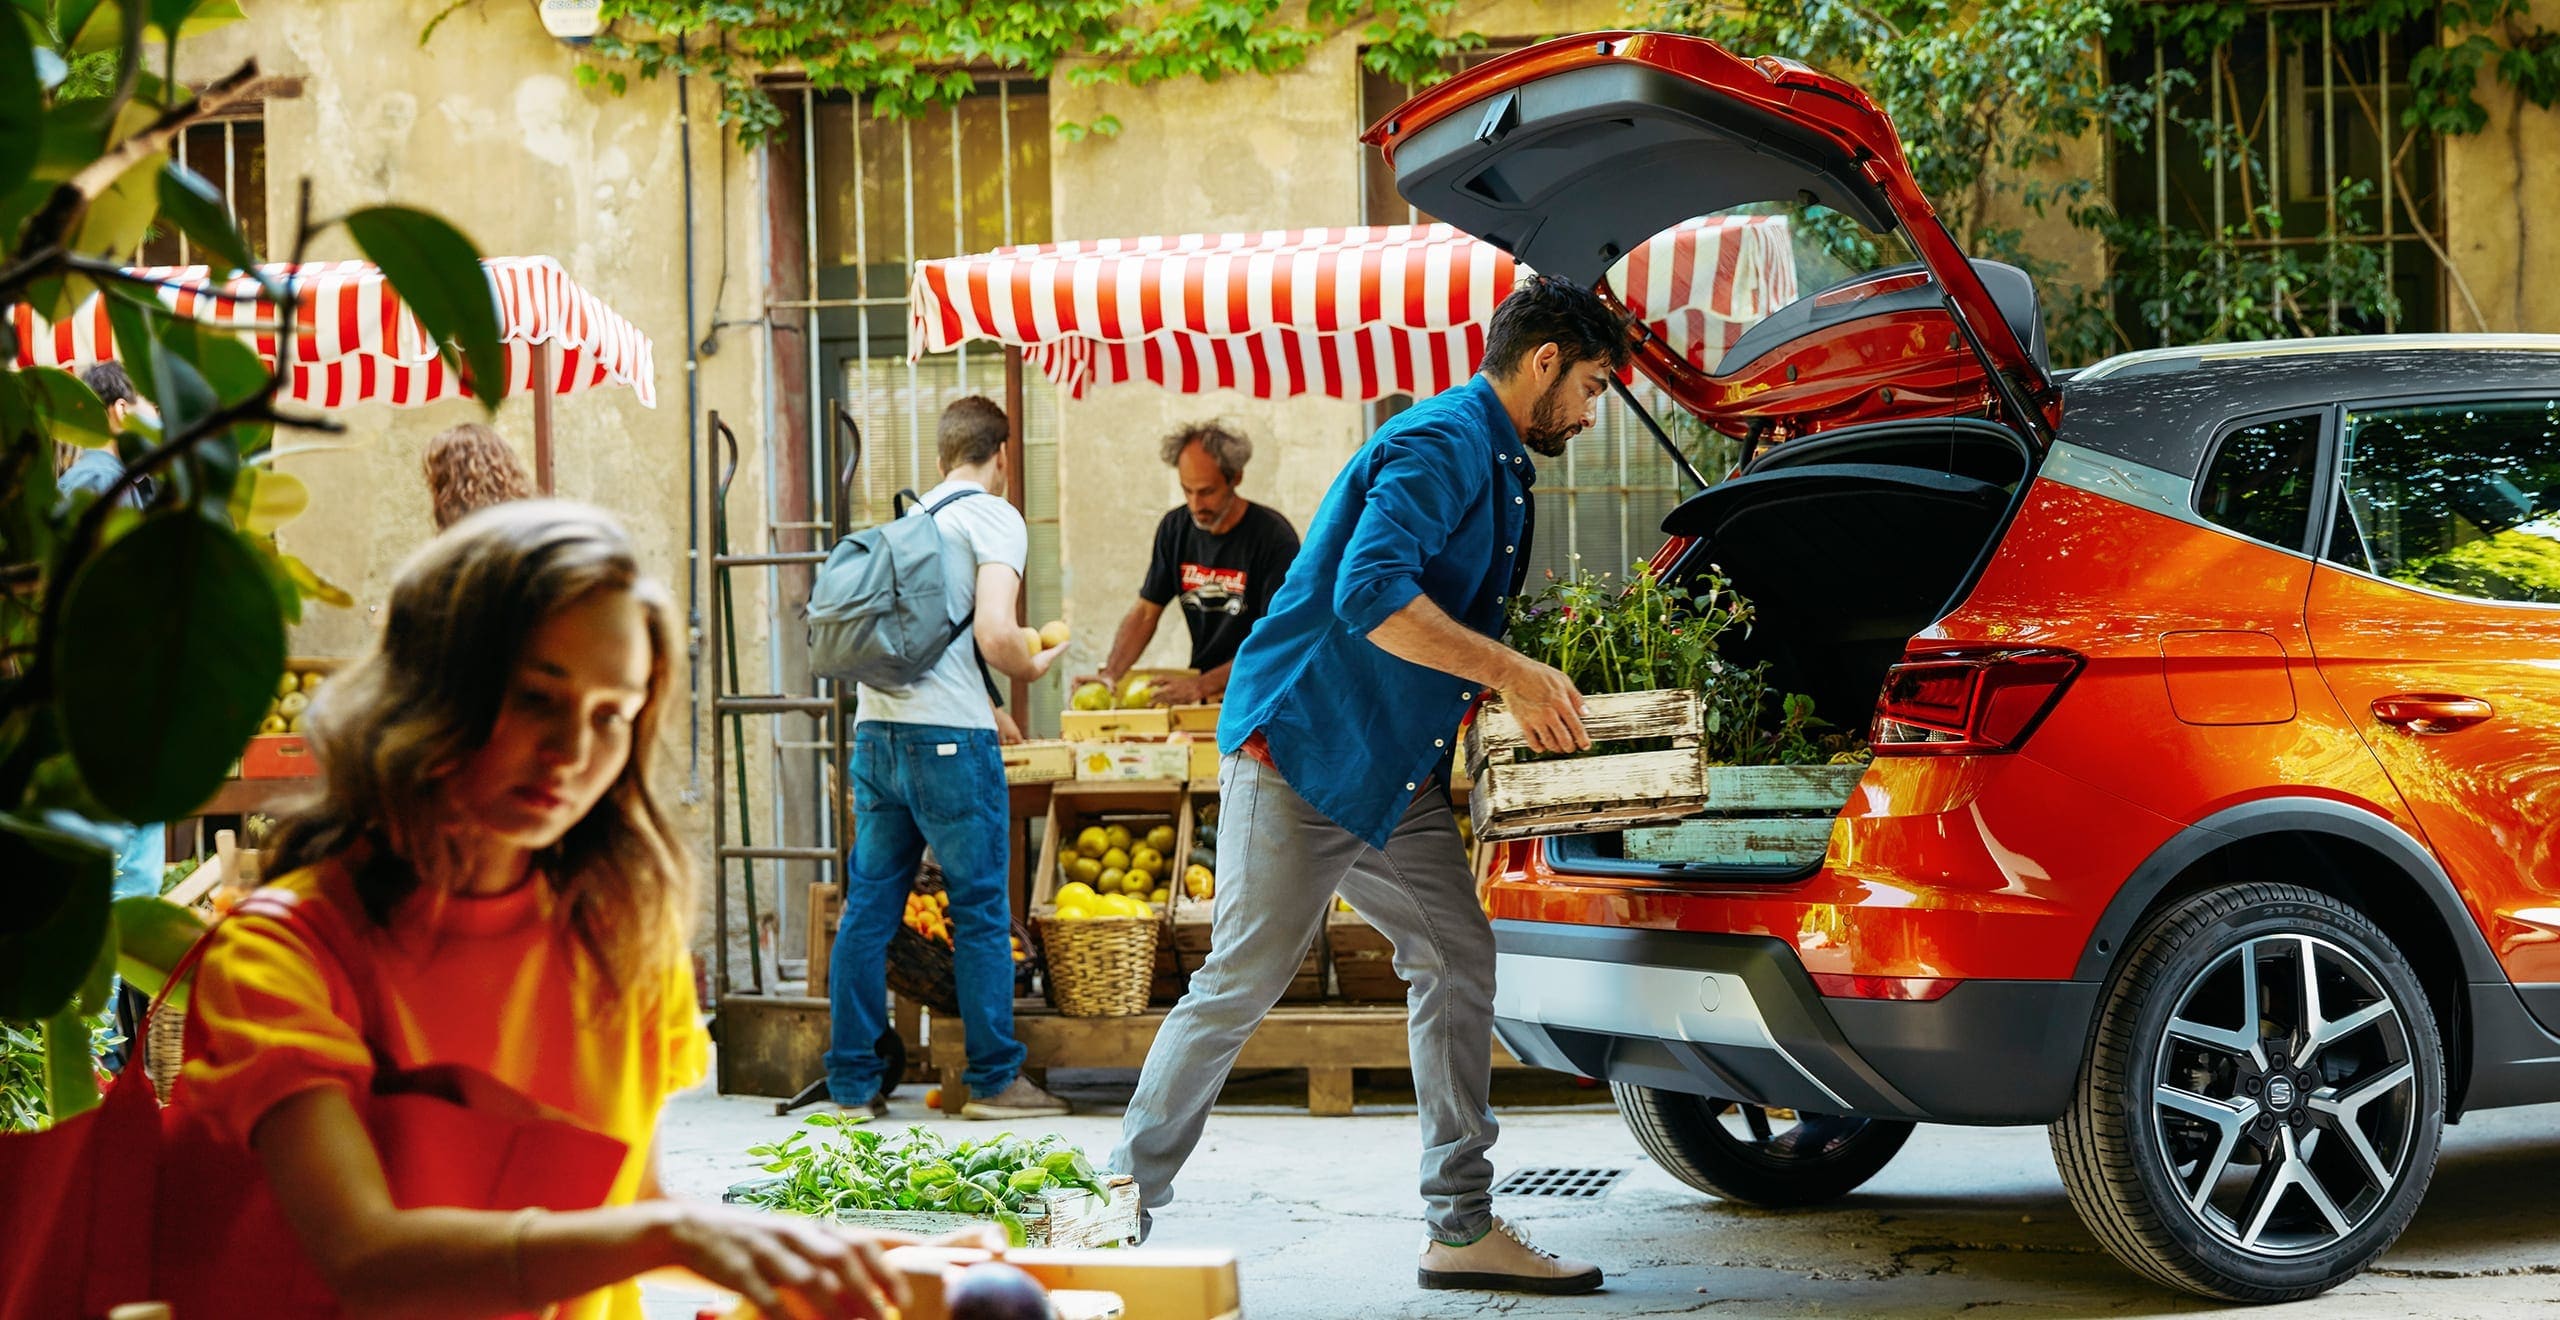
[[1847, 545]]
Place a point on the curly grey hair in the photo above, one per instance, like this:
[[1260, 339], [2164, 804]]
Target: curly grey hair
[[1229, 448]]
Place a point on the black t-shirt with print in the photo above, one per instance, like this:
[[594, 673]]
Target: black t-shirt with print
[[1225, 582]]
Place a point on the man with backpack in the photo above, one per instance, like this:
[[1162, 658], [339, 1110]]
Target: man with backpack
[[910, 617]]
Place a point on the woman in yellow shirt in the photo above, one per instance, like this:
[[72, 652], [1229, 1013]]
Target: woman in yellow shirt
[[486, 831]]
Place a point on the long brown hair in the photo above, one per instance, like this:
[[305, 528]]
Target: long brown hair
[[469, 468], [390, 730]]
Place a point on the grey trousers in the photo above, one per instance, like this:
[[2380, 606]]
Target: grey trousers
[[1281, 862]]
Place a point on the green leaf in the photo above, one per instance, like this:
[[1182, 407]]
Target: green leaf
[[192, 203], [71, 410], [437, 272], [171, 643], [116, 220], [21, 104], [266, 500], [152, 934], [105, 28], [56, 917], [70, 1077]]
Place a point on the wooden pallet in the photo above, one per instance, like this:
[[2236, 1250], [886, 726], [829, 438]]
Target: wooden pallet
[[1327, 1040], [1516, 799]]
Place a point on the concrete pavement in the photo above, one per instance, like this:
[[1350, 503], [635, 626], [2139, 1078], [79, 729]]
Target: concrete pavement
[[1322, 1214]]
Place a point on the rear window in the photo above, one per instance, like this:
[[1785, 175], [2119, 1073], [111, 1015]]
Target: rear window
[[2261, 479], [1701, 283]]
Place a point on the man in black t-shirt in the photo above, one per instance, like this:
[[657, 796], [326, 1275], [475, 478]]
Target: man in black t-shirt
[[1222, 555]]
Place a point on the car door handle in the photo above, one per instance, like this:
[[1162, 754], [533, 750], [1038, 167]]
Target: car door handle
[[2430, 712]]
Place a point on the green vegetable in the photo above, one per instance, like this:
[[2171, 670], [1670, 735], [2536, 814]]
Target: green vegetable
[[843, 1167]]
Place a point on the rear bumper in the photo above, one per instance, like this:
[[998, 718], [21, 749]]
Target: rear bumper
[[1736, 1016]]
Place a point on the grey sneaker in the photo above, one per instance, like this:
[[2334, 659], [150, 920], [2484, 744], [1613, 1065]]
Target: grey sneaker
[[1019, 1100], [1503, 1260]]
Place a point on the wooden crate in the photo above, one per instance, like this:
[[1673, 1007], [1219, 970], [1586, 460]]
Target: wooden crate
[[1740, 841], [1075, 805], [1105, 725], [1515, 799], [1363, 960], [1756, 815], [1039, 761], [1192, 920], [1054, 1219], [1195, 719], [1157, 1283], [1771, 789], [1204, 765]]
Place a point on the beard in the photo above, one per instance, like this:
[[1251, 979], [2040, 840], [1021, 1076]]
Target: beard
[[1552, 422]]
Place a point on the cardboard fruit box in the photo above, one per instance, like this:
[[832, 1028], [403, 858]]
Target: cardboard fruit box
[[1166, 760]]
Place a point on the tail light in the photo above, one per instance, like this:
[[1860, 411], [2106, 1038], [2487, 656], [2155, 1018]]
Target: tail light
[[1968, 702]]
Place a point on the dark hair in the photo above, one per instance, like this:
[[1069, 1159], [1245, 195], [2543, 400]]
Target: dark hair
[[1230, 450], [108, 381], [972, 431], [1548, 309]]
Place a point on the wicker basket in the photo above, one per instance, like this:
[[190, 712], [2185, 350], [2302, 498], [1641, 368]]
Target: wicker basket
[[163, 1049], [1100, 966]]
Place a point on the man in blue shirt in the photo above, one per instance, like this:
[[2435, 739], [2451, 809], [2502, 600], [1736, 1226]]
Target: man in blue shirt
[[1336, 735]]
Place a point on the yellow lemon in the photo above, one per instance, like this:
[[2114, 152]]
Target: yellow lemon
[[1092, 696], [1074, 912], [1054, 633], [1092, 842], [1117, 859], [1076, 891]]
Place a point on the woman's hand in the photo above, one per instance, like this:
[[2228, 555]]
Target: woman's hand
[[838, 1274]]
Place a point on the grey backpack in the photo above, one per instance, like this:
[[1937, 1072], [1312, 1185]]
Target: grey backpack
[[879, 615]]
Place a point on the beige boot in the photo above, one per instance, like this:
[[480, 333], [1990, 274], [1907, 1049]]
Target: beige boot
[[1503, 1261]]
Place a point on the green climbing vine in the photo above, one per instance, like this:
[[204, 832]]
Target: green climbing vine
[[1987, 93], [908, 58]]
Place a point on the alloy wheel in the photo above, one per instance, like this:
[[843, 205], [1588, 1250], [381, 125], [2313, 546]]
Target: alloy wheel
[[2285, 1095]]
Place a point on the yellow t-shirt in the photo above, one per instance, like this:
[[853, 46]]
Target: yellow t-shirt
[[496, 983]]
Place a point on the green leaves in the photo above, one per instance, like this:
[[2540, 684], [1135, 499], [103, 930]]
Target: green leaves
[[21, 104], [171, 641], [55, 920], [911, 58], [193, 205], [69, 409], [861, 1170], [436, 271]]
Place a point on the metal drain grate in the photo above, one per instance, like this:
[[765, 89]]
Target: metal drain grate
[[1560, 1184]]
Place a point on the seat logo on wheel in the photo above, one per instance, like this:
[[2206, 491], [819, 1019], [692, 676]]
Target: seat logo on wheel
[[2279, 1093]]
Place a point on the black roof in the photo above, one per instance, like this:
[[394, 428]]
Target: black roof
[[2165, 411]]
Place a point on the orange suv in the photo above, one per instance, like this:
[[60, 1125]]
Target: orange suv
[[2214, 698]]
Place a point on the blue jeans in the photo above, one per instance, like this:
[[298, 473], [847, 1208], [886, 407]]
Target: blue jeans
[[916, 785]]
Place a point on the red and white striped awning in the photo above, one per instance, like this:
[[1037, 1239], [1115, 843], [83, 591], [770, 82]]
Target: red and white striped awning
[[1353, 313], [358, 344]]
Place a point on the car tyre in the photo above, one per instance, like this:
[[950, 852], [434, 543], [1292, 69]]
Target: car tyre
[[2208, 1144], [1693, 1137]]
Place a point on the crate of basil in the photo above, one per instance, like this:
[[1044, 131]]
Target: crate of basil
[[1041, 1190]]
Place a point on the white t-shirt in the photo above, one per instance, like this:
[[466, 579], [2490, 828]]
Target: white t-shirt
[[982, 529]]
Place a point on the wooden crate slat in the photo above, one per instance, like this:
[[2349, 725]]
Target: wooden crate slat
[[1772, 788], [1545, 797], [1749, 840], [1607, 717]]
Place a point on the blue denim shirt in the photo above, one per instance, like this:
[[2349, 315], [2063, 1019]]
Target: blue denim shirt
[[1436, 504]]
